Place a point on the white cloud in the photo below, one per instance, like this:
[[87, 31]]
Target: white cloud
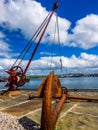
[[84, 63], [85, 33], [47, 53], [4, 49], [28, 15]]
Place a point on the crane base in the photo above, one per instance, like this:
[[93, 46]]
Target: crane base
[[12, 93]]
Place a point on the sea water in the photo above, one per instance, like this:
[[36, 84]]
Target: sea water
[[81, 82]]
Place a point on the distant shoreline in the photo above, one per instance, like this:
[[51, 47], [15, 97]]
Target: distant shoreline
[[4, 78], [66, 75]]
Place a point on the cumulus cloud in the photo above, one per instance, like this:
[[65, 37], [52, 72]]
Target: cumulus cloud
[[27, 15], [4, 49], [85, 33], [84, 63]]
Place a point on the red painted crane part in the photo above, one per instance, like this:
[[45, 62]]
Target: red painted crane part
[[17, 76]]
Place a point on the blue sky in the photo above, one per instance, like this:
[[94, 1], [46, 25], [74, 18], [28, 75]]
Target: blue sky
[[78, 25]]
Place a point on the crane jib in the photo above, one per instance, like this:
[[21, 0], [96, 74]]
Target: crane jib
[[16, 70]]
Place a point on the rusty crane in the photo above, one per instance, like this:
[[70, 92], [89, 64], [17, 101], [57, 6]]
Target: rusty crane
[[17, 75]]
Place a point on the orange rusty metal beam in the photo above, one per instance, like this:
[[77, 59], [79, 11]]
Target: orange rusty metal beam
[[58, 108], [82, 98]]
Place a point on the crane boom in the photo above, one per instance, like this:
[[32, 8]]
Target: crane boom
[[17, 76]]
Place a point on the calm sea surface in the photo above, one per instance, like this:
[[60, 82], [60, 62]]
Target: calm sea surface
[[82, 82]]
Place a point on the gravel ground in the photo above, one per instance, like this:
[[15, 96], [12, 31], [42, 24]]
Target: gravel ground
[[9, 122]]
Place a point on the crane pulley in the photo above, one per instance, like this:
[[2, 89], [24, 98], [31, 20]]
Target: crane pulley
[[17, 76]]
